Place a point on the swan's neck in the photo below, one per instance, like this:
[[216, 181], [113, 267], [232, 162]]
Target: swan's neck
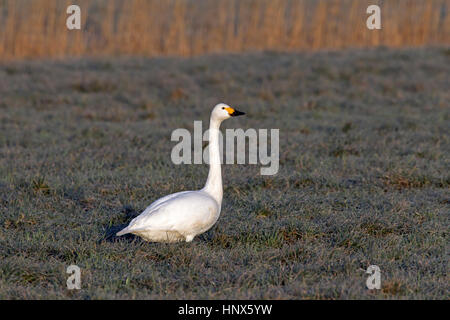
[[213, 185]]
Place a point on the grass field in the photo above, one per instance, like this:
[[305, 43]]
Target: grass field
[[364, 176]]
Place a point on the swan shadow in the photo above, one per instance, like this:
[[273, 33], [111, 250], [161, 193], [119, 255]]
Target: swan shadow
[[110, 231], [208, 236], [110, 234]]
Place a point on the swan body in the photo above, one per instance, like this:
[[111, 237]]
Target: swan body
[[183, 215]]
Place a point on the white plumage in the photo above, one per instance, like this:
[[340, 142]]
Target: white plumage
[[183, 215]]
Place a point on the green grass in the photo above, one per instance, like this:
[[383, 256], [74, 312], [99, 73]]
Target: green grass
[[364, 158]]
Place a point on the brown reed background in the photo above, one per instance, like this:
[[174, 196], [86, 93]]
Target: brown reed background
[[37, 28]]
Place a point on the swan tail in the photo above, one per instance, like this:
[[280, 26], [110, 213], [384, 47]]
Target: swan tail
[[124, 231], [132, 230]]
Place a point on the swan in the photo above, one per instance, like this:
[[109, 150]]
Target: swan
[[183, 215]]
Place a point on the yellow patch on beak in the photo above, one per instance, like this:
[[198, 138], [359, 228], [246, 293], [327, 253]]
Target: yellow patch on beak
[[230, 110]]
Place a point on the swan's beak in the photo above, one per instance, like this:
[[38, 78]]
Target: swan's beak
[[236, 113]]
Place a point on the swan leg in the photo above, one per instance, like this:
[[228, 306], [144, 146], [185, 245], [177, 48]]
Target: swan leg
[[189, 238]]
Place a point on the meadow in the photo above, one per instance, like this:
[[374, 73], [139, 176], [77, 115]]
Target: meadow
[[363, 180]]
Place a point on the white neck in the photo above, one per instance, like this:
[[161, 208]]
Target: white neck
[[213, 184]]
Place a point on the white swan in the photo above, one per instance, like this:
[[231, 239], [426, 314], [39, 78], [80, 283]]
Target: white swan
[[183, 215]]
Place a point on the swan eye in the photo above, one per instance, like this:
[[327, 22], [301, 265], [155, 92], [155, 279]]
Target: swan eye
[[223, 108]]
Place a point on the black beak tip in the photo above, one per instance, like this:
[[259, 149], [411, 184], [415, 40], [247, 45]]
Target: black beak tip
[[237, 113]]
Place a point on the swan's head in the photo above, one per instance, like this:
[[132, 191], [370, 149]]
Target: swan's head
[[223, 111]]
